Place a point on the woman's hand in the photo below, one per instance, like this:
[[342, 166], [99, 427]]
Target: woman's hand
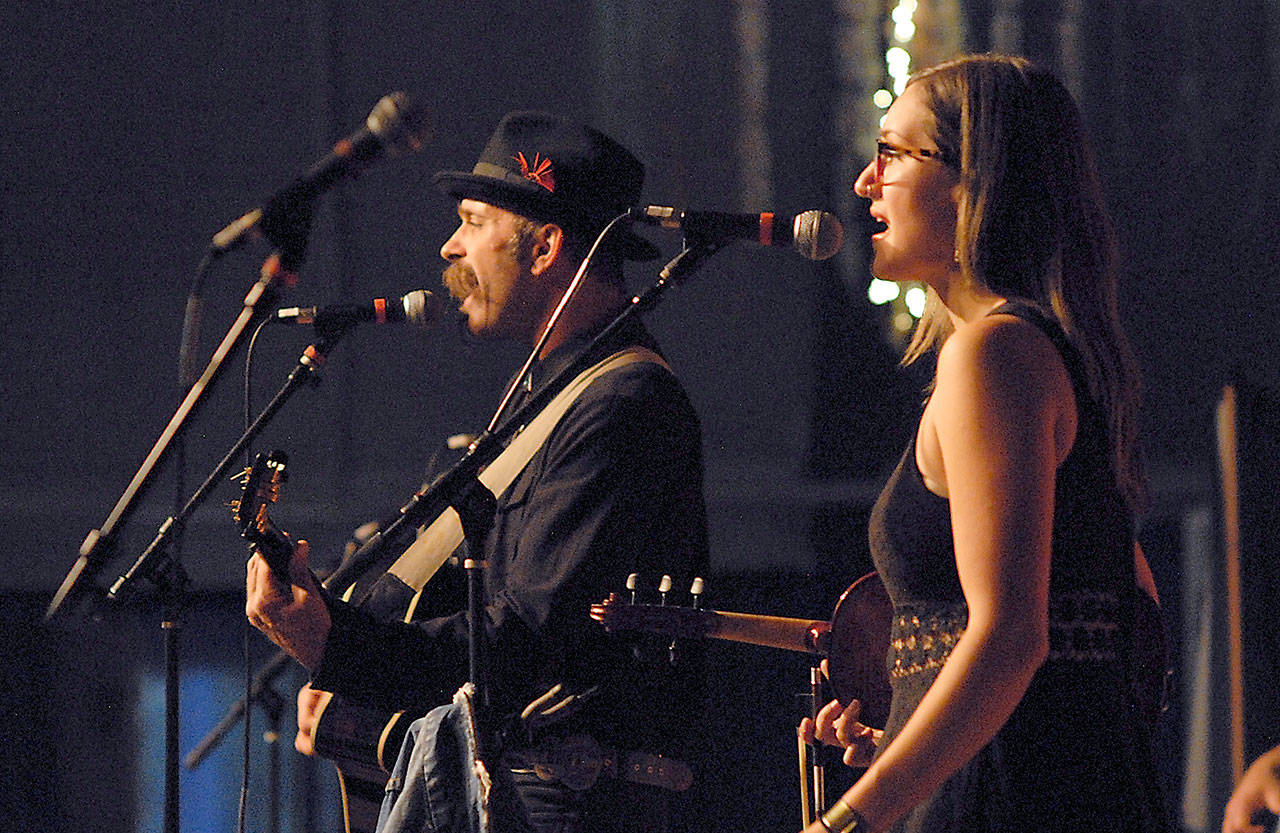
[[838, 726]]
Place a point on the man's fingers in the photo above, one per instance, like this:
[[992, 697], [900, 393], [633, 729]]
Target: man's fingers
[[830, 713], [299, 564], [304, 742], [254, 587]]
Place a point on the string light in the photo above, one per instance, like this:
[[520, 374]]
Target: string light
[[882, 292], [904, 27], [915, 298], [897, 58], [901, 27]]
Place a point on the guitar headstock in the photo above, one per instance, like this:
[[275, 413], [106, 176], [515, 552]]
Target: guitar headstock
[[261, 486], [683, 622]]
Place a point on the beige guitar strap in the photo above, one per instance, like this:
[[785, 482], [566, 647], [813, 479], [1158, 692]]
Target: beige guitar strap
[[441, 537]]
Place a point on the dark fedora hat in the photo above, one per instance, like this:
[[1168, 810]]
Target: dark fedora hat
[[557, 171]]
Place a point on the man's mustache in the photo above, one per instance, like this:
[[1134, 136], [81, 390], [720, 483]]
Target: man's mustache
[[460, 279]]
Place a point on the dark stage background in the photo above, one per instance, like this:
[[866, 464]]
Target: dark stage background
[[132, 131]]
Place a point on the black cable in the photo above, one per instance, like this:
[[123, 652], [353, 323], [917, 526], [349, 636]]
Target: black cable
[[246, 630]]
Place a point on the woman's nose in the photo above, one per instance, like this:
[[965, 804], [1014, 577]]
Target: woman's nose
[[866, 180]]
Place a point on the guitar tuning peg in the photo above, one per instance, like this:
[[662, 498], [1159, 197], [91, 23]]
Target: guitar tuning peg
[[633, 581], [242, 475], [664, 587], [695, 590]]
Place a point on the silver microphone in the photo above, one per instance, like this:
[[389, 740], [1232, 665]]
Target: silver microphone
[[815, 234], [418, 307]]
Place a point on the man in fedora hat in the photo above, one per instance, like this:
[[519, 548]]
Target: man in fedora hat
[[615, 488], [544, 188]]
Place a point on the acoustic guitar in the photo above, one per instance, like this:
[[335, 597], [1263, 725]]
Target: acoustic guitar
[[855, 642]]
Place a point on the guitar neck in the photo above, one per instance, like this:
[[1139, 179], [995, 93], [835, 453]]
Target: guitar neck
[[803, 635]]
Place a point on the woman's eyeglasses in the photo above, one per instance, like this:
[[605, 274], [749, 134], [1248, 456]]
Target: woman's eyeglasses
[[886, 153]]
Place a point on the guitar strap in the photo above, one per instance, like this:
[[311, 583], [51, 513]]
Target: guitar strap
[[441, 537]]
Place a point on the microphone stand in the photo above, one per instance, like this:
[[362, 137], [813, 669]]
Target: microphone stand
[[273, 705], [309, 364], [813, 797], [156, 563], [98, 546], [174, 589], [259, 691], [477, 507]]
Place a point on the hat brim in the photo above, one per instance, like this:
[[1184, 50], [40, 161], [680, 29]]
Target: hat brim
[[536, 202]]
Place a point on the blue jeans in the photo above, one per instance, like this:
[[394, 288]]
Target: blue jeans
[[437, 786]]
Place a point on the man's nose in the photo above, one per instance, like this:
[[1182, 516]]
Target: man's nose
[[452, 248]]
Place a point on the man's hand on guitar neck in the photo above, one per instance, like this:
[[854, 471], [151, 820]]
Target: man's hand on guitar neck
[[293, 616]]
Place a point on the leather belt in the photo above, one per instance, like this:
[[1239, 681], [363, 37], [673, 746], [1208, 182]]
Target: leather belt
[[578, 761]]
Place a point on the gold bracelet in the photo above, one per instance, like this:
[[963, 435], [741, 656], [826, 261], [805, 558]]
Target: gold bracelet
[[842, 818]]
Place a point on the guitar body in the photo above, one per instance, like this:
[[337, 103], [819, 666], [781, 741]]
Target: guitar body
[[362, 743], [361, 801], [858, 646]]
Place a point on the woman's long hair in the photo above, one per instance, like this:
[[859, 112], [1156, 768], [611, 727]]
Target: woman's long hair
[[1032, 225]]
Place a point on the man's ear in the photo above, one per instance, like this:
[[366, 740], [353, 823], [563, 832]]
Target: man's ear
[[548, 244]]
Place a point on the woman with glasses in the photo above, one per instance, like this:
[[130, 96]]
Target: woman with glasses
[[1005, 536]]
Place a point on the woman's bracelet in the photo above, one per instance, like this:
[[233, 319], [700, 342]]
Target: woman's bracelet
[[842, 818]]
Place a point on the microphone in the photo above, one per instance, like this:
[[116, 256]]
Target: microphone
[[418, 307], [394, 126], [815, 234]]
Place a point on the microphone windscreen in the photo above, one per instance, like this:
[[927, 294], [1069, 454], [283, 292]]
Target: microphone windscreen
[[399, 125], [818, 234], [422, 307]]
